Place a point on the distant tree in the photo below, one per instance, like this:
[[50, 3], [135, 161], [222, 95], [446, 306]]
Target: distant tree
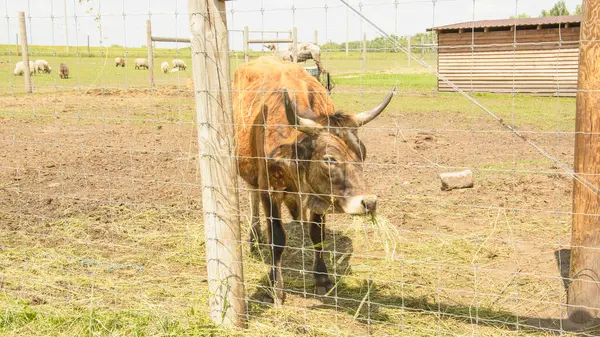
[[520, 16], [382, 44], [560, 8], [578, 10]]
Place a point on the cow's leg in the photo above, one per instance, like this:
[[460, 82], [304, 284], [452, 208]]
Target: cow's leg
[[276, 233], [255, 219], [317, 235], [294, 205]]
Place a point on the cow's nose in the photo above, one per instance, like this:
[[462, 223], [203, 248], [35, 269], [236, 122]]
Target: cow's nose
[[369, 202]]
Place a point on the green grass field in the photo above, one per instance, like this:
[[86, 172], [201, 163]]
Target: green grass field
[[416, 85], [103, 219]]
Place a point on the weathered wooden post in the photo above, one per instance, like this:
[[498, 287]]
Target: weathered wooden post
[[583, 295], [88, 42], [316, 37], [220, 203], [364, 52], [295, 43], [17, 44], [246, 46], [150, 53], [25, 52]]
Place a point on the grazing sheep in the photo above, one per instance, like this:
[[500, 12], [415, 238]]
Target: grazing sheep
[[32, 68], [64, 71], [179, 64], [165, 67], [119, 61], [141, 63], [42, 66], [20, 68]]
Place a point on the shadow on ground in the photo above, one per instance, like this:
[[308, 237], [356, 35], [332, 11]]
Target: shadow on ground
[[364, 301]]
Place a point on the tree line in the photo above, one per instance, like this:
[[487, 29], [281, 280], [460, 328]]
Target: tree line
[[383, 44], [559, 9]]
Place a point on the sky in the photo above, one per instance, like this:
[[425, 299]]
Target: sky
[[122, 22]]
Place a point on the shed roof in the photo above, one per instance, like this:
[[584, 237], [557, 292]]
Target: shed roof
[[548, 20]]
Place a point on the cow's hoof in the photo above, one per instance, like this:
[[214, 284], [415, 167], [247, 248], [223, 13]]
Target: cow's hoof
[[276, 300], [323, 285], [322, 290], [266, 298], [279, 297]]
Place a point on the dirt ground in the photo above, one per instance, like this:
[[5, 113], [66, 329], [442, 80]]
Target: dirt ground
[[106, 175]]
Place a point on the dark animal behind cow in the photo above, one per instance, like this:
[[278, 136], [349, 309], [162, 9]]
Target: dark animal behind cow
[[291, 142], [64, 71]]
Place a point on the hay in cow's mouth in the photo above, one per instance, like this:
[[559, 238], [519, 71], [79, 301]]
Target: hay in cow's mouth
[[383, 231]]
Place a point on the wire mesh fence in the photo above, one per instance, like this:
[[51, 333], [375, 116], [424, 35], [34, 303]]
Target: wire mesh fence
[[349, 225]]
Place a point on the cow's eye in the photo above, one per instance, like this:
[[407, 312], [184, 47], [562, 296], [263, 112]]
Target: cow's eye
[[329, 160]]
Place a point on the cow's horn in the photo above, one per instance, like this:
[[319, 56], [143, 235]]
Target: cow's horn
[[367, 116], [305, 125]]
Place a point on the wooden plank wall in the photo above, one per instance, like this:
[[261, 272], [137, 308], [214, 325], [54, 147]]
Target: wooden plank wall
[[538, 63]]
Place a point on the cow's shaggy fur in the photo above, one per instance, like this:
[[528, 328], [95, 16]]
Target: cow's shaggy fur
[[282, 163]]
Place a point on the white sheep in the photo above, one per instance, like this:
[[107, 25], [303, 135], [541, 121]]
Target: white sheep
[[20, 68], [42, 66], [177, 63], [165, 67], [141, 63], [32, 68], [119, 61]]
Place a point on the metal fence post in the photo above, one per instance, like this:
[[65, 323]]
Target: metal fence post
[[246, 47], [409, 50], [364, 52]]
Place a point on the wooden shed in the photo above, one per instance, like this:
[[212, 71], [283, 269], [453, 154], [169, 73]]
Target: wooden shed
[[530, 55]]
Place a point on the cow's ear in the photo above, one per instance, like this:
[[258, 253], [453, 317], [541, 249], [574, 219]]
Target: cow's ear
[[289, 154]]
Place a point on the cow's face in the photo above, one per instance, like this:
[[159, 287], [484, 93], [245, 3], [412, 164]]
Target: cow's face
[[331, 157], [334, 174]]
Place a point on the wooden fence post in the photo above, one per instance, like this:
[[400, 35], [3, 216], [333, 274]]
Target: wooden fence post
[[583, 295], [364, 52], [317, 37], [25, 52], [150, 53], [246, 46], [295, 43], [88, 41], [220, 202], [17, 43]]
